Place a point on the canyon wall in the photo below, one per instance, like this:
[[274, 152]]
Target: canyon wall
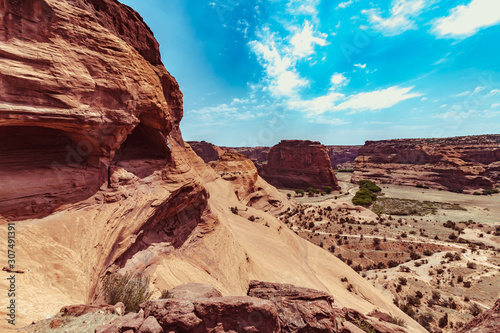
[[96, 177], [462, 163], [299, 164], [342, 157]]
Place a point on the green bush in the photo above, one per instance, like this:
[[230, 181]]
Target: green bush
[[364, 197], [328, 189], [131, 290], [369, 185]]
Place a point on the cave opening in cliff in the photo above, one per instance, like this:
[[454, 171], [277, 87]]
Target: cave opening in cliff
[[41, 169], [144, 151]]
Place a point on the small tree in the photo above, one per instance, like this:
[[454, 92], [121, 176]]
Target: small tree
[[328, 189]]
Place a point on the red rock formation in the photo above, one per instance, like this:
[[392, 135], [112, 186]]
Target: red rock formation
[[299, 164], [207, 151], [249, 187], [342, 157], [487, 322], [461, 163], [269, 307], [94, 169]]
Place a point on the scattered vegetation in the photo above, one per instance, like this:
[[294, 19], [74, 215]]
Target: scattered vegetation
[[402, 207]]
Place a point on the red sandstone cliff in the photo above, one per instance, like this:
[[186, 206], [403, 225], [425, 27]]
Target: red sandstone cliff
[[207, 151], [461, 163], [342, 157], [96, 175], [299, 164]]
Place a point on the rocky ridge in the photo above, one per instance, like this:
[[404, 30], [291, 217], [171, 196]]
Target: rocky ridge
[[457, 164]]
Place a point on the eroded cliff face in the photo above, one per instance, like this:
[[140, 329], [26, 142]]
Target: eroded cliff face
[[342, 157], [97, 176], [299, 164], [461, 163]]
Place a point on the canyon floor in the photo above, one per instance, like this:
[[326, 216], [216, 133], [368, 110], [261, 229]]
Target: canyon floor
[[435, 253]]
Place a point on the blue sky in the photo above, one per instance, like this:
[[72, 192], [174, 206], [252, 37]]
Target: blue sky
[[254, 72]]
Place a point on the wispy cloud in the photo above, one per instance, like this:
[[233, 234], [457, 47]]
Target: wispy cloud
[[345, 4], [362, 66], [365, 101], [303, 7], [402, 16], [466, 20], [378, 99]]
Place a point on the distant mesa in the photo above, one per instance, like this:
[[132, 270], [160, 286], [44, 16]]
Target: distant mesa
[[454, 164], [299, 164]]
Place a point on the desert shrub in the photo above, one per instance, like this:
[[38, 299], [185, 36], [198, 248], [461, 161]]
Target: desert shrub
[[413, 300], [419, 294], [403, 281], [396, 321], [131, 290], [428, 252], [425, 319], [475, 309], [251, 218], [234, 210], [365, 326], [392, 263], [471, 265], [415, 255], [327, 189], [467, 284], [299, 192], [452, 236], [165, 294], [443, 321], [422, 186]]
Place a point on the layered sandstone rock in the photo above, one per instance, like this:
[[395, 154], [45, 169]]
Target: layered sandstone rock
[[342, 157], [94, 170], [268, 307], [207, 151], [249, 187], [461, 163], [299, 164]]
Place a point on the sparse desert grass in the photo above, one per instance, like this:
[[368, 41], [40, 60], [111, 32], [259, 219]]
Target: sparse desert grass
[[396, 206], [131, 290], [397, 321]]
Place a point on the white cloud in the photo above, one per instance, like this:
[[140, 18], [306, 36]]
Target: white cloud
[[454, 114], [317, 105], [279, 57], [403, 13], [345, 4], [424, 99], [338, 79], [463, 94], [379, 99], [494, 92], [362, 66], [303, 7], [283, 79], [374, 100], [305, 40], [495, 105], [466, 20]]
